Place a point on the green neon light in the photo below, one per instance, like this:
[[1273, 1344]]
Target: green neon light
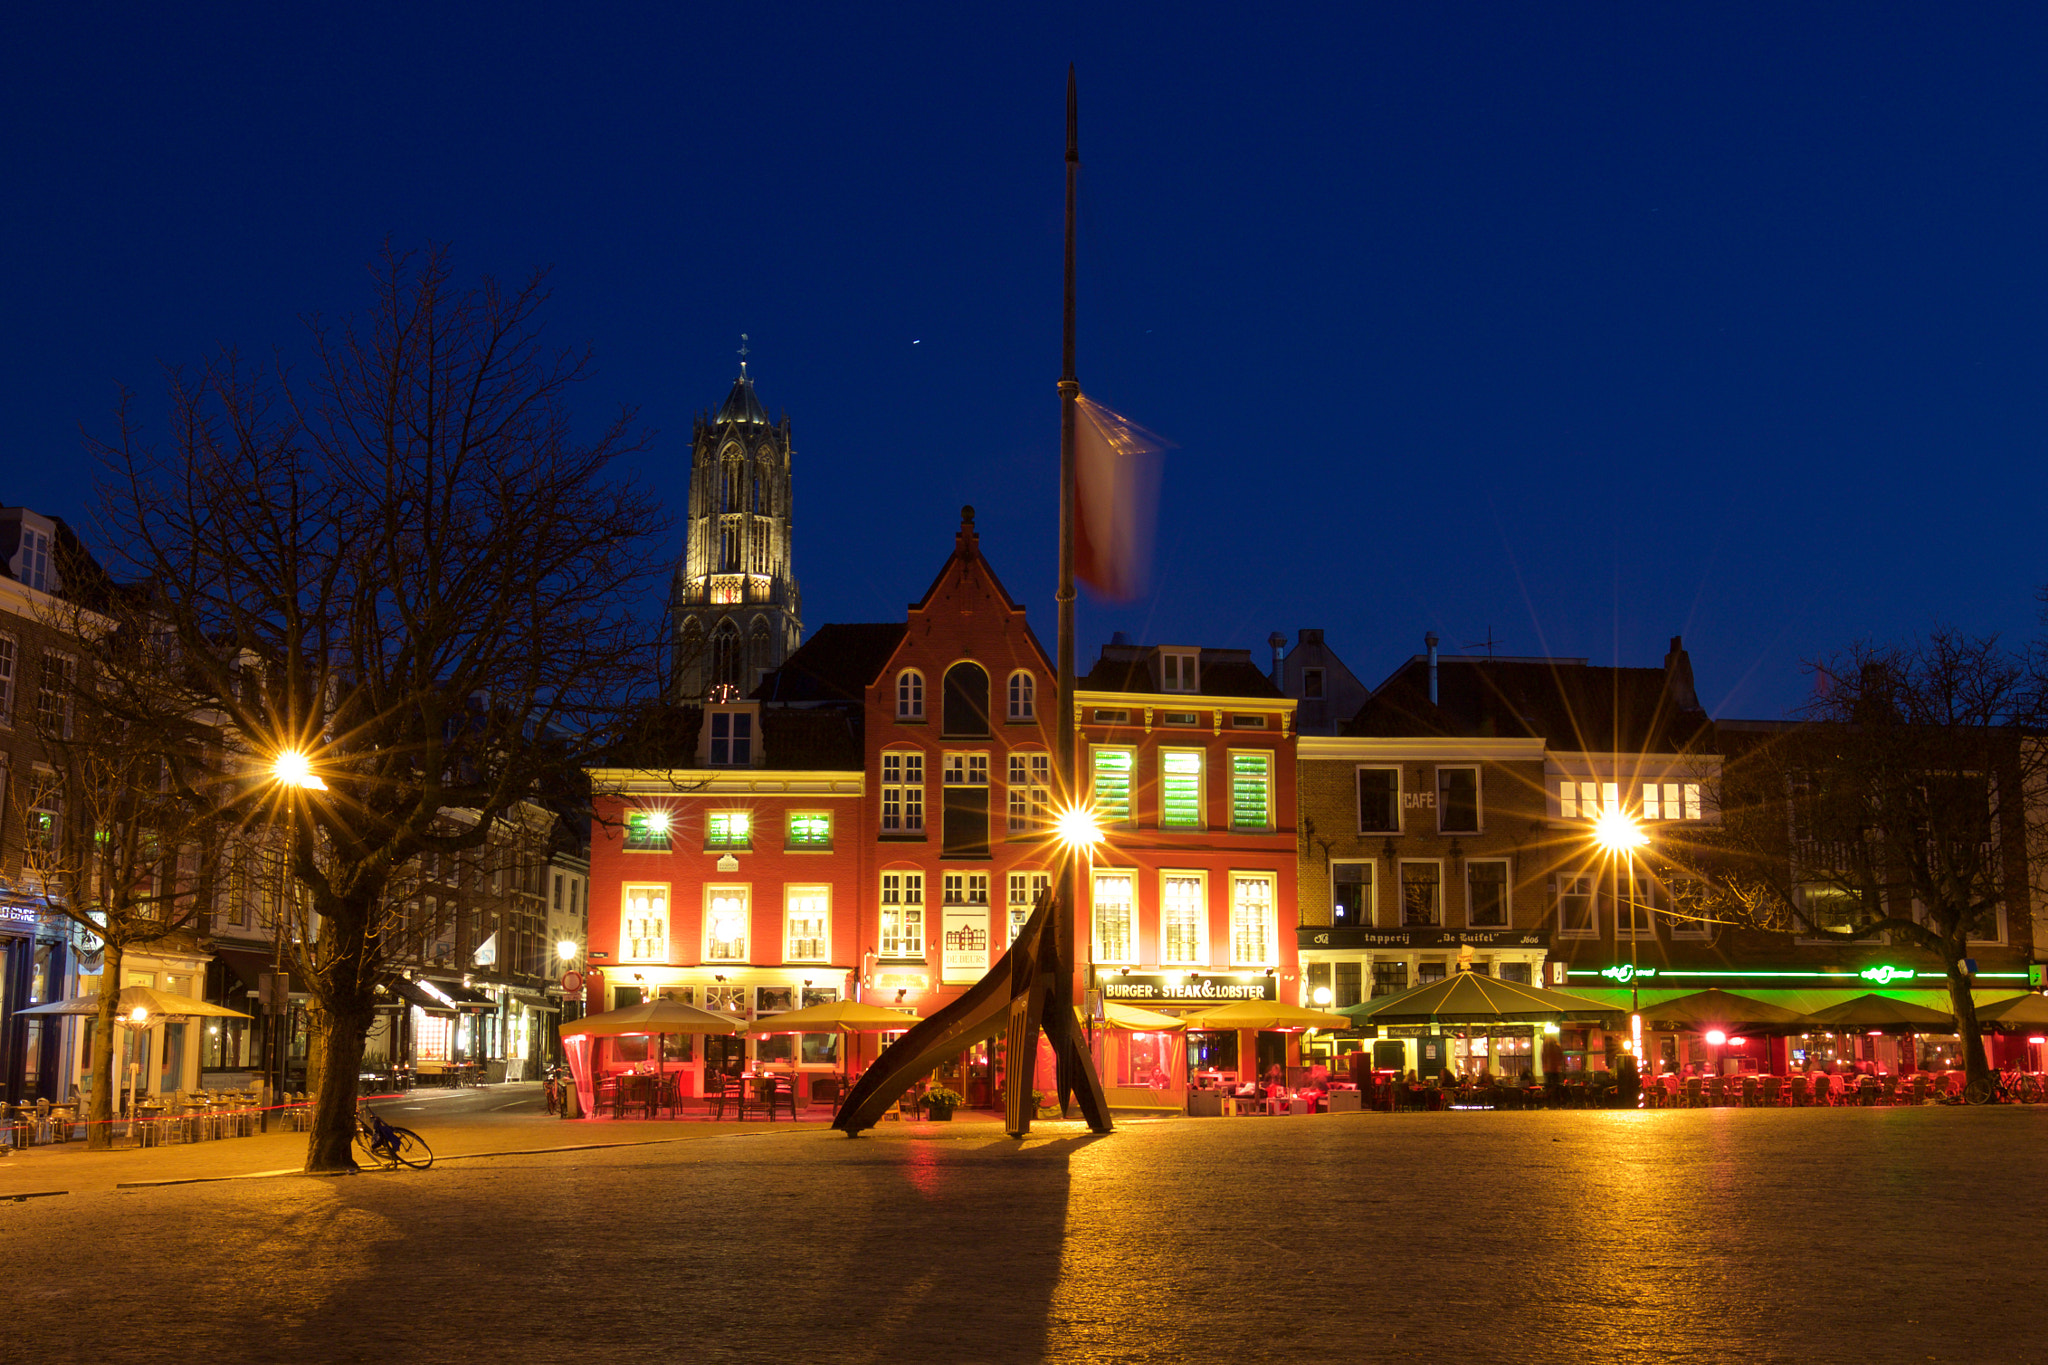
[[1879, 975]]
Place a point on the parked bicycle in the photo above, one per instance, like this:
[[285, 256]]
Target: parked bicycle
[[556, 1089], [388, 1145]]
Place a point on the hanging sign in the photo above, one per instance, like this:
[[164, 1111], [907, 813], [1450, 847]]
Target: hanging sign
[[963, 944], [1206, 988]]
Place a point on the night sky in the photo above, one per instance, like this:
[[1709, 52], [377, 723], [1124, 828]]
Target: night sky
[[1583, 325]]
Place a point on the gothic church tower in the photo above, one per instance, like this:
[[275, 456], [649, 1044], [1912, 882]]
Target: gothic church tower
[[734, 605]]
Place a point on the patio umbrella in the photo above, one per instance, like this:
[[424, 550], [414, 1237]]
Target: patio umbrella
[[2027, 1011], [836, 1016], [1470, 998], [1884, 1013], [158, 1004], [657, 1017], [1724, 1010], [1262, 1015], [1131, 1019]]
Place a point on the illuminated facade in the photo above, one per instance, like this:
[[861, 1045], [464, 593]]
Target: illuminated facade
[[734, 604]]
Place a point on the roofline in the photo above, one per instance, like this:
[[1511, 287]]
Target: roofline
[[687, 782], [1169, 700], [1395, 747]]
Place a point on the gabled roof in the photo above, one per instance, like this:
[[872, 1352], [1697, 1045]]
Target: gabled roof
[[1219, 673], [837, 664], [741, 406], [1567, 703]]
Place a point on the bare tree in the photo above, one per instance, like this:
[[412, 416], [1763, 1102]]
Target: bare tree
[[1902, 801], [405, 569]]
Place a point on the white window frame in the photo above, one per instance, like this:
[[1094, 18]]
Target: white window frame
[[633, 947], [10, 670], [1401, 893], [1358, 806], [963, 888], [729, 844], [1507, 892], [1271, 928], [910, 695], [796, 845], [1029, 792], [65, 667], [964, 768], [1200, 956], [1201, 758], [1565, 885], [1272, 787], [714, 892], [907, 795], [1022, 692], [790, 893], [1130, 784], [907, 908], [1372, 890], [1028, 881], [1678, 927], [1105, 950], [1644, 930], [1478, 798], [1180, 670]]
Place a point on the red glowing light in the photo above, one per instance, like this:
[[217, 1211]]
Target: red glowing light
[[1739, 1042]]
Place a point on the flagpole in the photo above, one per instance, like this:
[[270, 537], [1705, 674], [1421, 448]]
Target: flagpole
[[1069, 766]]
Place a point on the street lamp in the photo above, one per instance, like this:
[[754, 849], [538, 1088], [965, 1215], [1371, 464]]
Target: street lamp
[[294, 768], [1615, 832], [565, 949], [1078, 829]]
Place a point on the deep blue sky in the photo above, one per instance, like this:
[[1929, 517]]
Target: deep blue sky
[[1587, 324]]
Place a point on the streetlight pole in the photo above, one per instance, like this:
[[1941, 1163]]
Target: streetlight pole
[[1621, 836]]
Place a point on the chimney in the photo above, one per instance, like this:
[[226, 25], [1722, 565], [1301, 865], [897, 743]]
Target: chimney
[[967, 544], [1430, 640], [1678, 683], [1278, 642]]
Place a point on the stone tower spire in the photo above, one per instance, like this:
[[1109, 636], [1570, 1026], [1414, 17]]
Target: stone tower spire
[[734, 603]]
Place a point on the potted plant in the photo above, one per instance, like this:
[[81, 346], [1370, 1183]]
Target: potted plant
[[939, 1102]]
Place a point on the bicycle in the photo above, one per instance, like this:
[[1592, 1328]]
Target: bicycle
[[388, 1145], [1992, 1089], [556, 1089]]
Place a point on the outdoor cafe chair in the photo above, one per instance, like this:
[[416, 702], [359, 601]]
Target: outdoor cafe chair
[[1752, 1092], [1823, 1089], [1802, 1091], [1717, 1091], [1774, 1091]]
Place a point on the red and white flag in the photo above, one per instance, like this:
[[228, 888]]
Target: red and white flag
[[1116, 497]]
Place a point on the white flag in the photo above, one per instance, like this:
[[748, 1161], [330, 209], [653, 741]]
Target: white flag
[[487, 951], [1116, 493]]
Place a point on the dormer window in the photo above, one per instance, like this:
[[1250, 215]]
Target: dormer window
[[1178, 671], [729, 734]]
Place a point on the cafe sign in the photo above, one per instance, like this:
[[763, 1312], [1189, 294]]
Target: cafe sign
[[963, 945], [1362, 937], [1189, 988]]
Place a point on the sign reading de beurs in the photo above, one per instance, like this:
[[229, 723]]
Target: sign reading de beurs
[[1206, 988], [1360, 937]]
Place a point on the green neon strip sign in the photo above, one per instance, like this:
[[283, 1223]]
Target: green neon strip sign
[[1882, 976]]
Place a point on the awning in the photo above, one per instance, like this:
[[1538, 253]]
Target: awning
[[246, 965], [456, 995], [405, 992]]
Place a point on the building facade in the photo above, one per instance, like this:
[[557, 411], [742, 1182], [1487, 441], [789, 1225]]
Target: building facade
[[734, 606]]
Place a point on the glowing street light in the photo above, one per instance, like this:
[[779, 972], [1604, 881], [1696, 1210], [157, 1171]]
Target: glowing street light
[[565, 949], [1617, 833], [1077, 827], [1621, 836], [293, 768]]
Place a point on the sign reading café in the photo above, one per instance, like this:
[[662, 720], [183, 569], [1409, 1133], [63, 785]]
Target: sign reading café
[[1189, 988]]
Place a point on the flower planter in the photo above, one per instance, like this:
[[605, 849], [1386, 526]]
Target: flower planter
[[939, 1113]]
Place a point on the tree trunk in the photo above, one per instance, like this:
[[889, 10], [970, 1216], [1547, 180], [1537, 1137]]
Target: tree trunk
[[99, 1109], [1975, 1067], [332, 1145]]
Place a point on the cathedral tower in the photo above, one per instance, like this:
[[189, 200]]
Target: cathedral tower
[[734, 604]]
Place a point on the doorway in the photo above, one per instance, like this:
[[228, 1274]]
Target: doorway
[[725, 1057]]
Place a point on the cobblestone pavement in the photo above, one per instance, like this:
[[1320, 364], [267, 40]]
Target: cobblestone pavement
[[1783, 1235]]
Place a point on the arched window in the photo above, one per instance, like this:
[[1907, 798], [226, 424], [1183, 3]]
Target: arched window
[[1023, 695], [726, 660], [757, 651], [910, 695], [966, 700]]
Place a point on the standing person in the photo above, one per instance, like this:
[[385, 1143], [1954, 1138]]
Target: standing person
[[1553, 1070]]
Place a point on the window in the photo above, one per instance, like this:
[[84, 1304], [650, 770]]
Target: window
[[1457, 800], [1030, 791], [1184, 919], [1177, 670], [1180, 789], [966, 700], [1389, 978], [725, 924], [1575, 906], [732, 739], [1247, 722], [810, 829], [34, 559], [903, 915], [966, 888], [558, 891], [965, 834], [1678, 905], [807, 925], [1180, 718], [728, 829], [643, 928], [7, 655], [46, 821], [1112, 785], [1251, 790], [1486, 894], [1350, 895], [1632, 914], [53, 694], [648, 829], [1517, 972], [1112, 717], [1111, 917], [1349, 984], [1584, 800], [1671, 801], [1312, 684], [902, 792], [910, 695], [1836, 908], [1023, 696], [1422, 902], [1428, 970], [1379, 800], [1025, 889], [1252, 931]]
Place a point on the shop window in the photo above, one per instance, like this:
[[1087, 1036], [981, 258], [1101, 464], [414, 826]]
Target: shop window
[[1517, 972], [1389, 978], [1350, 895], [1112, 915], [1184, 919], [1348, 981], [1429, 971]]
